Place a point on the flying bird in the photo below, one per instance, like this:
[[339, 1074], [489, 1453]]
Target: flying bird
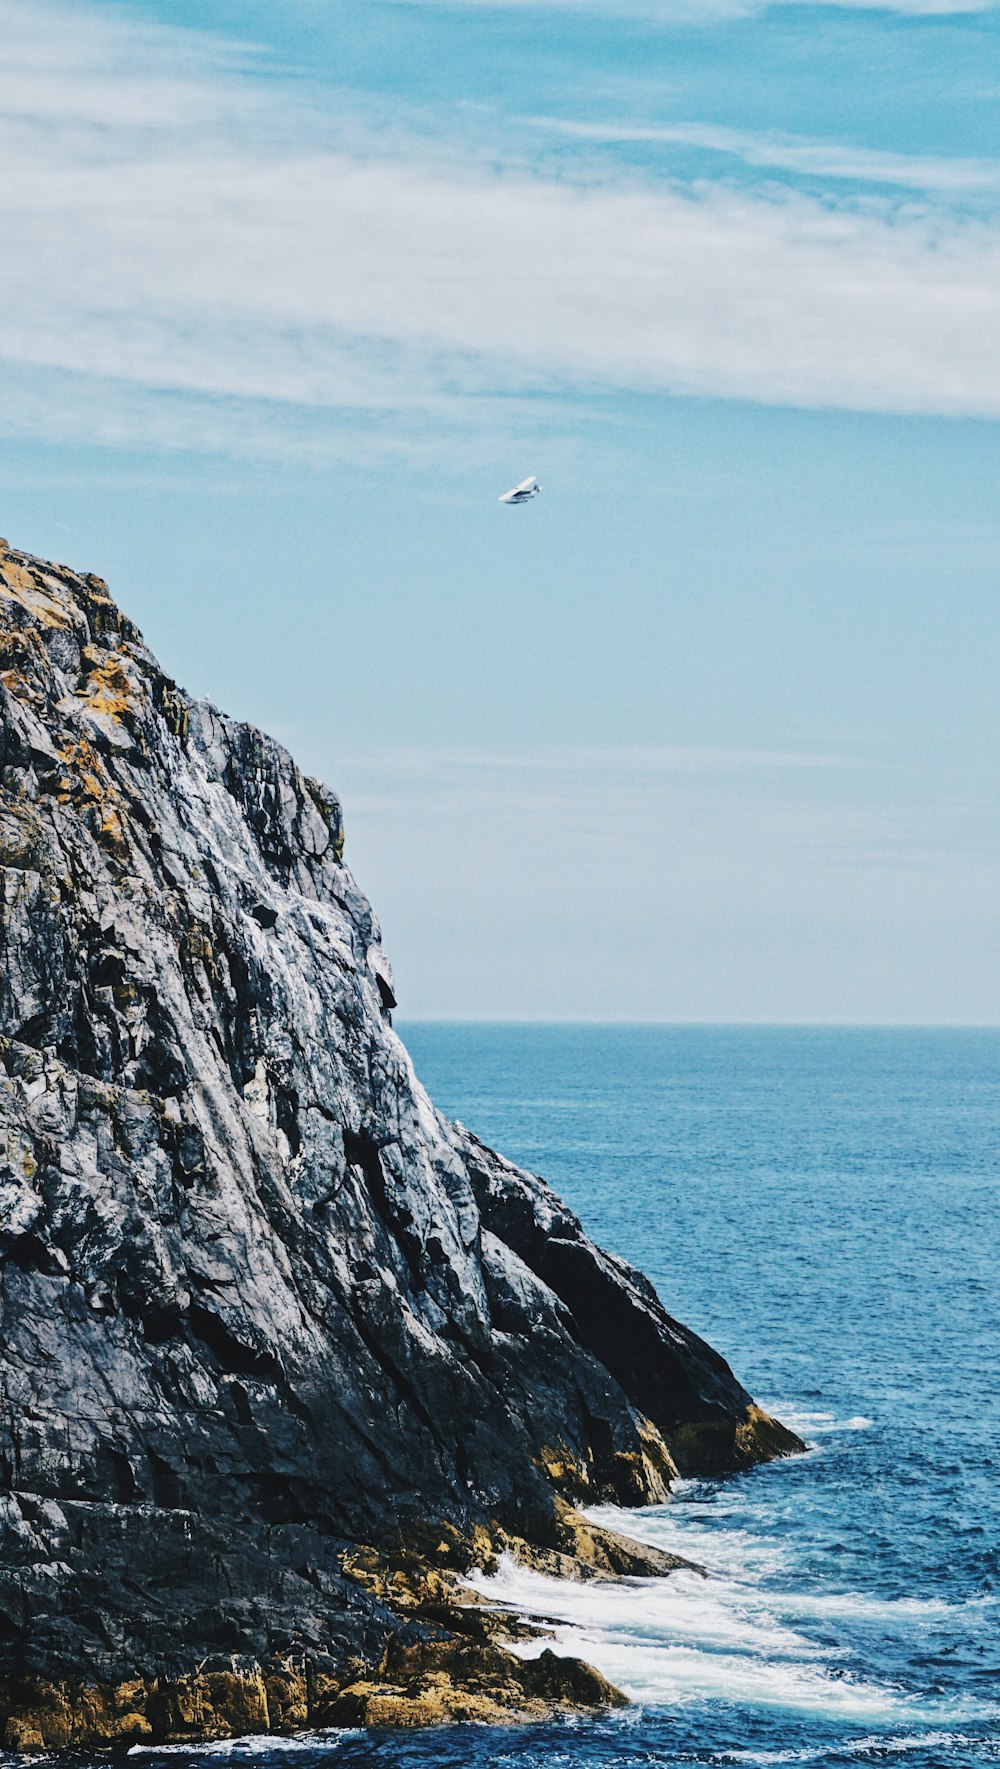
[[528, 488]]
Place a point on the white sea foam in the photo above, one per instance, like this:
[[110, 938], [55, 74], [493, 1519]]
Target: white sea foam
[[810, 1425], [731, 1636], [679, 1529], [748, 1560], [253, 1745], [892, 1611], [879, 1743], [684, 1638]]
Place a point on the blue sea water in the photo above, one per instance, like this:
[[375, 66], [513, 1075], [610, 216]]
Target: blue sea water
[[821, 1205]]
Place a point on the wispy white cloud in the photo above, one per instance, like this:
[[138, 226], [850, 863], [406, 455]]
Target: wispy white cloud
[[708, 12], [916, 8], [176, 230], [825, 160], [705, 12]]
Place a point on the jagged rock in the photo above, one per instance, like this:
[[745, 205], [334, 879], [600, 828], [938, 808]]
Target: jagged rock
[[261, 1303]]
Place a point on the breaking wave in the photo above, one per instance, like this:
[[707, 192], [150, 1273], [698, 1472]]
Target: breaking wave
[[750, 1629]]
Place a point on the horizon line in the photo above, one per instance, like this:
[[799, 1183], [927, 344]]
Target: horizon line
[[720, 1024]]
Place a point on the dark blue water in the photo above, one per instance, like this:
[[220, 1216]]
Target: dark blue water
[[821, 1204]]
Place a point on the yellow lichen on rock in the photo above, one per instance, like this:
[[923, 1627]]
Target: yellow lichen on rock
[[642, 1476], [85, 777], [433, 1682], [21, 1733], [23, 653], [111, 833], [108, 688], [19, 584], [53, 1716], [287, 1691], [424, 1683], [760, 1437], [103, 613], [214, 1704], [274, 1303], [86, 786], [404, 1578], [586, 1550], [566, 1472]]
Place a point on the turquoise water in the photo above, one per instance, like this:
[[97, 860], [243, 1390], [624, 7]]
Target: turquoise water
[[822, 1206]]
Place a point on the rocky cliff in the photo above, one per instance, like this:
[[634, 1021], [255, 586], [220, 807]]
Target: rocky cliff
[[283, 1350]]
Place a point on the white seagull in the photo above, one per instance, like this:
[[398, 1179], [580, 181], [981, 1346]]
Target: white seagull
[[528, 488]]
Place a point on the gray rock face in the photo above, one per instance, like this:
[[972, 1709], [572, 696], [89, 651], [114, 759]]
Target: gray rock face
[[260, 1301]]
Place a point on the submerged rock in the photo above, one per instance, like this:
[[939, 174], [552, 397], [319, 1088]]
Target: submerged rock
[[283, 1350]]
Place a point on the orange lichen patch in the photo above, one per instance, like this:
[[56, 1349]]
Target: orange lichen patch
[[759, 1438], [15, 576], [459, 1669], [646, 1474], [563, 1468], [61, 586], [433, 1682], [724, 1443], [425, 1684], [50, 1716], [19, 585], [86, 787], [639, 1476], [109, 687], [13, 628], [23, 652], [15, 683], [111, 832], [403, 1580], [85, 778]]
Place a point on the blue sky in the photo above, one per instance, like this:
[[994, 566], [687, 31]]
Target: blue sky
[[711, 729]]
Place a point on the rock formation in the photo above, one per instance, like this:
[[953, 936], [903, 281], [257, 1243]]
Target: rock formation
[[284, 1351]]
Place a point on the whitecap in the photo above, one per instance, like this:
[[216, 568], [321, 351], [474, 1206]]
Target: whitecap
[[681, 1639], [909, 1741], [677, 1528], [880, 1742], [809, 1424], [759, 1569], [255, 1744], [718, 1638], [895, 1611]]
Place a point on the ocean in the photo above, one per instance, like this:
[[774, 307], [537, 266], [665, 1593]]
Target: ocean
[[821, 1205]]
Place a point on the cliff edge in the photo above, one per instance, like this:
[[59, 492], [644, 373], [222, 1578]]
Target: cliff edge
[[283, 1350]]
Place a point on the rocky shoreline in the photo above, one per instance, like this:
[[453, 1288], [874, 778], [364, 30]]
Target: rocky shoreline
[[284, 1352], [444, 1662]]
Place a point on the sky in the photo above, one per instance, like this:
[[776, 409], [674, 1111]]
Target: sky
[[710, 730]]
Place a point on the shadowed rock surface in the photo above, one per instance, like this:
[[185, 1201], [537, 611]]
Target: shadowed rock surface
[[268, 1319]]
